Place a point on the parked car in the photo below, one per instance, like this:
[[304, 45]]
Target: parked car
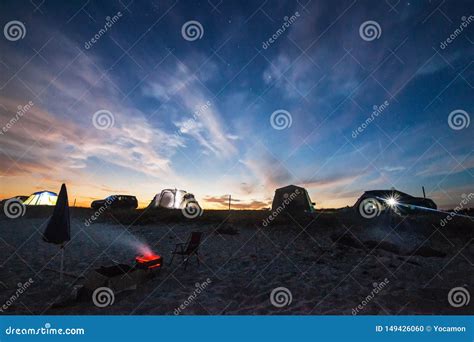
[[116, 202], [399, 202], [21, 198]]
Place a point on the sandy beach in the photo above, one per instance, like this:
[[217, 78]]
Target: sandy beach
[[327, 266]]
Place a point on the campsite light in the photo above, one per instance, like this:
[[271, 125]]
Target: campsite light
[[392, 202]]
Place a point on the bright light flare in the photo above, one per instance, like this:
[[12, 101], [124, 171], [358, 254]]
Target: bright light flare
[[392, 202]]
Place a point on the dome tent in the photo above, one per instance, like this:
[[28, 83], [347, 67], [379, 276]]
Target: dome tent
[[42, 198], [172, 199]]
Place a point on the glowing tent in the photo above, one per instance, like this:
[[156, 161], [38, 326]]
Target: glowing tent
[[42, 198], [172, 199]]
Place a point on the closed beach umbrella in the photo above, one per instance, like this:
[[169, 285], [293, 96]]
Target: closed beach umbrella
[[58, 230]]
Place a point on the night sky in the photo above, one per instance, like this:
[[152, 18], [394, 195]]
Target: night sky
[[237, 97]]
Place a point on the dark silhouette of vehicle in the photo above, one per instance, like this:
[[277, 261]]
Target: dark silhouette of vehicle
[[21, 198], [116, 202], [397, 201]]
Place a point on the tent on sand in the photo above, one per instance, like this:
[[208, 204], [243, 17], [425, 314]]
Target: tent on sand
[[292, 199], [42, 198], [172, 199]]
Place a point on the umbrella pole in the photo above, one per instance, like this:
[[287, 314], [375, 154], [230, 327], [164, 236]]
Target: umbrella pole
[[62, 264]]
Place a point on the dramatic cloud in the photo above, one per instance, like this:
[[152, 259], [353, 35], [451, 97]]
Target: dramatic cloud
[[200, 118], [196, 115]]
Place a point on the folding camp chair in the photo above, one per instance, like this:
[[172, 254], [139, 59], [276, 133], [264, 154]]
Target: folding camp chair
[[191, 249]]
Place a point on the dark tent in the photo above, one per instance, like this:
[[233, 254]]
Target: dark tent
[[58, 229], [292, 199]]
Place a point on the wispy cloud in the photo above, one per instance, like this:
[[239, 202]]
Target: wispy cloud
[[196, 114], [222, 202], [267, 169], [332, 181], [57, 135], [201, 122]]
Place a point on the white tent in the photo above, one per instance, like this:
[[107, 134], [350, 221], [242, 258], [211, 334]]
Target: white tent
[[42, 198], [172, 199]]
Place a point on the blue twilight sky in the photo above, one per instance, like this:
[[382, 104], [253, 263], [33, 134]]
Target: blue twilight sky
[[196, 113]]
